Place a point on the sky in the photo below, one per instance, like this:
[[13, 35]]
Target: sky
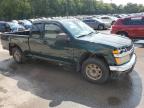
[[124, 2]]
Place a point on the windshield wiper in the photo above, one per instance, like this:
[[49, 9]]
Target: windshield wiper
[[82, 35], [85, 34], [90, 33]]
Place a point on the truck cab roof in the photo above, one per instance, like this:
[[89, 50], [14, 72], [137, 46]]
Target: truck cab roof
[[53, 20]]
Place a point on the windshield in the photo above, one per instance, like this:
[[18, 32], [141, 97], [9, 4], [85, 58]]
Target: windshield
[[98, 19], [77, 28], [27, 22], [15, 26]]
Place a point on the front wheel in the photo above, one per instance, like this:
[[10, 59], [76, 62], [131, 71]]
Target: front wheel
[[95, 70], [100, 27], [18, 55]]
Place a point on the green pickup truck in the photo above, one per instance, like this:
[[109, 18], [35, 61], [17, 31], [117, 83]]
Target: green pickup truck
[[71, 42]]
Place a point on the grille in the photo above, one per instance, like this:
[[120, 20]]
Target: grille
[[129, 49]]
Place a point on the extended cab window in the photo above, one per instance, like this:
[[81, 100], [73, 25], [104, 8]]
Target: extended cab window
[[52, 31], [36, 30]]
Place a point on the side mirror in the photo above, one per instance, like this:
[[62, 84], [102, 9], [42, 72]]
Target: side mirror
[[62, 37]]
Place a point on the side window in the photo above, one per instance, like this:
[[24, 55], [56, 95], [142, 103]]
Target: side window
[[52, 31], [137, 22], [134, 21], [92, 21], [143, 21], [36, 30], [7, 27], [86, 21], [2, 27], [127, 22]]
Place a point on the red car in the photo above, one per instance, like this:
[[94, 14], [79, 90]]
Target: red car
[[132, 27]]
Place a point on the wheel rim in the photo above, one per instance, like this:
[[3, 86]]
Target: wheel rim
[[17, 56], [93, 71]]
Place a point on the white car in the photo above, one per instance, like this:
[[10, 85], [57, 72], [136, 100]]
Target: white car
[[109, 19]]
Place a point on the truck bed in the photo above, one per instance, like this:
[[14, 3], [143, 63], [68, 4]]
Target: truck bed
[[6, 38]]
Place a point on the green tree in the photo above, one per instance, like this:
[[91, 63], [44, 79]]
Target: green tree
[[19, 9]]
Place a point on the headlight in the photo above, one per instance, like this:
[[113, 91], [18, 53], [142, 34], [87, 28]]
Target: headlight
[[116, 51], [122, 60], [122, 56]]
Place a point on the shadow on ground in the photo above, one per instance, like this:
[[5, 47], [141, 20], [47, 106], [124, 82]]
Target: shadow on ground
[[51, 82]]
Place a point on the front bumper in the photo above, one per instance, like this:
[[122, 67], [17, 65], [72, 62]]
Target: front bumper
[[124, 67]]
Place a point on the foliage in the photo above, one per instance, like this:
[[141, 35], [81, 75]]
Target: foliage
[[20, 9]]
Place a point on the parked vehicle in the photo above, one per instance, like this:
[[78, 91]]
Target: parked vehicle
[[109, 19], [10, 27], [27, 24], [71, 42], [4, 27], [14, 27], [14, 21], [132, 27], [117, 15], [97, 23]]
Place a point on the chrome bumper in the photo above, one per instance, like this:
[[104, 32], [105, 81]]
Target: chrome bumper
[[124, 67]]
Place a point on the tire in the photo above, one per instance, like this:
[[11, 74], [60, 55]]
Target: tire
[[18, 55], [100, 27], [95, 70]]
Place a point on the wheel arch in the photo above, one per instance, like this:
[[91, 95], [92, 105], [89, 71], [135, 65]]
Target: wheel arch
[[13, 45], [87, 55]]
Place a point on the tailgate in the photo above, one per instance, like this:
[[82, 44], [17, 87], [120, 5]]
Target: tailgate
[[5, 41]]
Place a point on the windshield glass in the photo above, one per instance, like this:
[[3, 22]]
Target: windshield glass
[[98, 19], [77, 28], [15, 26], [27, 22]]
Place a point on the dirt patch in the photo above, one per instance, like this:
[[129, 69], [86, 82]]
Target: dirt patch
[[3, 90]]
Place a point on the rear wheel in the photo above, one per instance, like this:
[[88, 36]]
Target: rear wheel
[[18, 55], [95, 70]]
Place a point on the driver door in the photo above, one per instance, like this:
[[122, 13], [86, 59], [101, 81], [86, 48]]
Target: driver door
[[57, 48]]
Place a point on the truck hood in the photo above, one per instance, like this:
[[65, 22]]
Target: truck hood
[[108, 39]]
